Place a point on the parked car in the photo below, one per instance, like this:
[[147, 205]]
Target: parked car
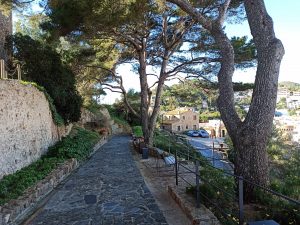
[[203, 133], [192, 133]]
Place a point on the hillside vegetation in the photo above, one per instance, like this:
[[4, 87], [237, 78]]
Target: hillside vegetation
[[291, 86]]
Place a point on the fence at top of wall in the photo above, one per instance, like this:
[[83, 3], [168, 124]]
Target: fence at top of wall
[[7, 73]]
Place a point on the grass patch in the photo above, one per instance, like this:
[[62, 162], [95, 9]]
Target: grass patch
[[77, 145], [12, 186]]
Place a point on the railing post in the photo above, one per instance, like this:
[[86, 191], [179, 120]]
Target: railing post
[[213, 154], [197, 184], [169, 143], [176, 167], [241, 200], [2, 69], [19, 71]]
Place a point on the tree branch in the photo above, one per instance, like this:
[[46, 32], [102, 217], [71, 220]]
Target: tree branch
[[119, 80], [189, 9], [222, 12]]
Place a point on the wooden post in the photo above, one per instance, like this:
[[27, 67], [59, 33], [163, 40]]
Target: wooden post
[[2, 69], [19, 71]]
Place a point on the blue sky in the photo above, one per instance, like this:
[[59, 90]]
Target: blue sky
[[286, 17]]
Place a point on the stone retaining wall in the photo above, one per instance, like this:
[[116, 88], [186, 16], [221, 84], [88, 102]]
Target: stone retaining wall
[[26, 126], [198, 216], [15, 210]]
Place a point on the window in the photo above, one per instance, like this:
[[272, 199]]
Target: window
[[194, 117], [183, 117], [178, 128], [187, 127], [223, 133]]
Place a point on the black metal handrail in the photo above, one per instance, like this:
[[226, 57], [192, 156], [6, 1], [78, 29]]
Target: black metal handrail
[[238, 194], [240, 180]]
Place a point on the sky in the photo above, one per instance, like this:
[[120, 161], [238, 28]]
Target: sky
[[286, 17]]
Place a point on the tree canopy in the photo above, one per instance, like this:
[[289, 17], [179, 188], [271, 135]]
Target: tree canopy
[[177, 37], [41, 64], [150, 35]]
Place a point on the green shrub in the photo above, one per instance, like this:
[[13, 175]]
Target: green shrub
[[41, 64], [77, 145], [14, 185], [137, 131]]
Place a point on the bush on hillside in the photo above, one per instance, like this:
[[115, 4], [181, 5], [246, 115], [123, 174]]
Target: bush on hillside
[[41, 64], [77, 145], [137, 131]]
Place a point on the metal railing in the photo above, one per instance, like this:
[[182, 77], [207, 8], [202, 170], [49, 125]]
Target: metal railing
[[10, 73], [231, 208], [226, 200]]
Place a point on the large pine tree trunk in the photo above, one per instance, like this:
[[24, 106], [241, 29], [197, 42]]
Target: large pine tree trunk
[[251, 161], [250, 136], [144, 92]]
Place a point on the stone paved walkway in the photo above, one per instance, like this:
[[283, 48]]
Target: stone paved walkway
[[108, 190]]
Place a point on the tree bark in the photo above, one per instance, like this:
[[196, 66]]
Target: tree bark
[[144, 91], [249, 137], [251, 161]]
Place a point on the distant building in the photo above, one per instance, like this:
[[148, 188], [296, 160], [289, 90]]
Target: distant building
[[180, 120], [287, 131], [293, 102], [289, 127], [292, 98], [216, 128], [296, 134], [282, 93]]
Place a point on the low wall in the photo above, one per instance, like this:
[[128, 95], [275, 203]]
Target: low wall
[[15, 211], [26, 126], [187, 203]]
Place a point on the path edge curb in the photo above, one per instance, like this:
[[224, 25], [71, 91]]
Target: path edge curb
[[197, 215]]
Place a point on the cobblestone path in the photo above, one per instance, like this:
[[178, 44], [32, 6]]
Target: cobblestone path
[[108, 190]]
